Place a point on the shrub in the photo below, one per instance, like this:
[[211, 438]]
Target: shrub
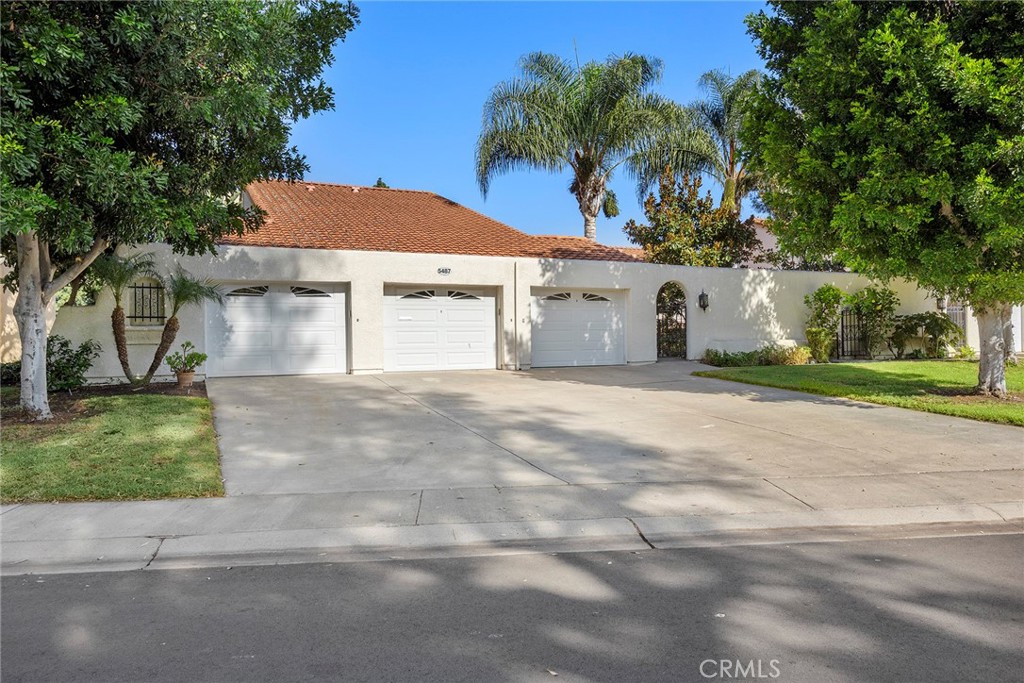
[[186, 360], [726, 359], [65, 366], [10, 373], [819, 343], [937, 331], [825, 304], [772, 354], [965, 353]]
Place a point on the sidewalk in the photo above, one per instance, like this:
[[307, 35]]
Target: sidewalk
[[341, 467], [270, 529]]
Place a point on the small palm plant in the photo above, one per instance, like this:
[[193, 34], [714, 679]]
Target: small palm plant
[[117, 273], [184, 290]]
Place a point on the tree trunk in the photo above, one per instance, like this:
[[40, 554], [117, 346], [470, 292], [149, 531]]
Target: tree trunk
[[30, 313], [36, 287], [996, 332], [729, 195], [590, 196], [166, 339], [121, 341]]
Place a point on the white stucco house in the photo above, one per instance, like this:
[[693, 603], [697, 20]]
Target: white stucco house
[[345, 279]]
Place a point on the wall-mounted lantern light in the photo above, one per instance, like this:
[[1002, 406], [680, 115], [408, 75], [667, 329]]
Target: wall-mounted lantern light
[[702, 300], [940, 304]]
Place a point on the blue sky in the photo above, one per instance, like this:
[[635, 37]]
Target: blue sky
[[410, 82]]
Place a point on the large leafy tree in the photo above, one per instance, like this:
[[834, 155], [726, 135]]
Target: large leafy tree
[[592, 119], [129, 122], [893, 137], [686, 229], [721, 112]]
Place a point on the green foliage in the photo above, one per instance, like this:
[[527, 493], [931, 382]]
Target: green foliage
[[936, 332], [877, 309], [773, 354], [187, 359], [722, 113], [591, 119], [118, 272], [65, 365], [139, 122], [186, 290], [893, 137], [826, 307], [686, 229], [821, 342], [380, 183], [965, 352]]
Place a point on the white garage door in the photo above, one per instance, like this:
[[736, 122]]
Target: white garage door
[[578, 328], [276, 330], [439, 329]]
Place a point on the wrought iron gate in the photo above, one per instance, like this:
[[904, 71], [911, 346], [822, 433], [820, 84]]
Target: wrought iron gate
[[851, 341], [671, 322]]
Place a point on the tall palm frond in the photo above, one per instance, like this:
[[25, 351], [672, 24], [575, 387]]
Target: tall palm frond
[[721, 114], [592, 119], [117, 272]]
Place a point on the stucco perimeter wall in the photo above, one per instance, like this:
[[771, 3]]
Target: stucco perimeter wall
[[748, 308]]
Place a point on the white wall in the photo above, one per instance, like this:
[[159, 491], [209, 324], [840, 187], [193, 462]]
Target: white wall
[[748, 308]]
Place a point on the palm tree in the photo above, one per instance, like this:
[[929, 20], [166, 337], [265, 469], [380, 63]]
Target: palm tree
[[184, 290], [721, 114], [117, 273], [593, 119]]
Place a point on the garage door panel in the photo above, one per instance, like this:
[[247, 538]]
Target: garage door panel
[[277, 329], [417, 337], [247, 364], [414, 315], [313, 315], [476, 336], [439, 330], [312, 338], [576, 330], [311, 360]]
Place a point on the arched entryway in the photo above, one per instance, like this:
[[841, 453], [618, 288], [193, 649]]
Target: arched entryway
[[671, 320]]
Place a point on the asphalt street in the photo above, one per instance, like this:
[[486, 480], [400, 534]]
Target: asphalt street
[[925, 609]]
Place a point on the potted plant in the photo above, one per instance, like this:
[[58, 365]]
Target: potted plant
[[185, 362]]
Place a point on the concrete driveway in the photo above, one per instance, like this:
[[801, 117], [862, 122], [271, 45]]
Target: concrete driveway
[[638, 436]]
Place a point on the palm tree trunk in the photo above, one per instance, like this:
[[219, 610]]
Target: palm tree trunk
[[590, 196], [121, 341], [166, 339], [729, 194]]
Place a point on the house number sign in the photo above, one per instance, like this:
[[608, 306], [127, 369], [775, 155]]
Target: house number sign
[[444, 271]]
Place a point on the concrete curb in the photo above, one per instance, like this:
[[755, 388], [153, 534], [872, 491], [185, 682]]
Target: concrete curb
[[376, 542]]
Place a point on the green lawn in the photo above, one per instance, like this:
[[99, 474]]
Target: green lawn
[[112, 447], [932, 386]]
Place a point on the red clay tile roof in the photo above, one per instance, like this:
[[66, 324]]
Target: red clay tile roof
[[306, 215], [636, 252]]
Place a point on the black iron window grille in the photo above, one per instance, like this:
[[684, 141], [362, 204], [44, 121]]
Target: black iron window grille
[[147, 304]]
